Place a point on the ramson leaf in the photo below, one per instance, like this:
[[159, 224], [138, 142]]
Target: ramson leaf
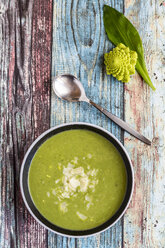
[[120, 30]]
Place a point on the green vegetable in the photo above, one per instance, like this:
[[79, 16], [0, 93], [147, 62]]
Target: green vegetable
[[120, 62], [120, 30]]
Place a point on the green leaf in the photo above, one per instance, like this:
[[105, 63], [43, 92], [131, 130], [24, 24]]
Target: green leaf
[[120, 30]]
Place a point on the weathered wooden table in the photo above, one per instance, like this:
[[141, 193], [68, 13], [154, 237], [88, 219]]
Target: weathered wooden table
[[40, 39]]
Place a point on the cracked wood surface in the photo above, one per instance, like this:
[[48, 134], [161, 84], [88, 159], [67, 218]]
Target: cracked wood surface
[[41, 39], [25, 53]]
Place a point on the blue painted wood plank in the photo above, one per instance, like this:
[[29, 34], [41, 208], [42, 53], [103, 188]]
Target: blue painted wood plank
[[79, 43]]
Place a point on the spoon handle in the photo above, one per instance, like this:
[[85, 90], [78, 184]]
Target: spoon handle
[[121, 123]]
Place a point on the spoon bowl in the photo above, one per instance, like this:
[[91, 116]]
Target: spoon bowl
[[68, 87]]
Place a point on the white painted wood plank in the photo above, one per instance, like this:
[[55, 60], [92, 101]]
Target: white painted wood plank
[[144, 222]]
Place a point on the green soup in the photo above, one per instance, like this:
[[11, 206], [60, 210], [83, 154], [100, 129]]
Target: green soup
[[77, 179]]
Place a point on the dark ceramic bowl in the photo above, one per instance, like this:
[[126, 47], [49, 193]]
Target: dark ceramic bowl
[[25, 170]]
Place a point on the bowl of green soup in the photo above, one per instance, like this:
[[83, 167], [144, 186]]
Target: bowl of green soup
[[76, 179]]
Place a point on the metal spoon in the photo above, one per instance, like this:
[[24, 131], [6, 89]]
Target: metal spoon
[[68, 87]]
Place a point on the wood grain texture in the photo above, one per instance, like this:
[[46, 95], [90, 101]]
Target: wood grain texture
[[79, 42], [144, 222], [25, 53]]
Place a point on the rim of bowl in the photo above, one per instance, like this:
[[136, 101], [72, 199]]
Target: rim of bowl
[[22, 169]]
